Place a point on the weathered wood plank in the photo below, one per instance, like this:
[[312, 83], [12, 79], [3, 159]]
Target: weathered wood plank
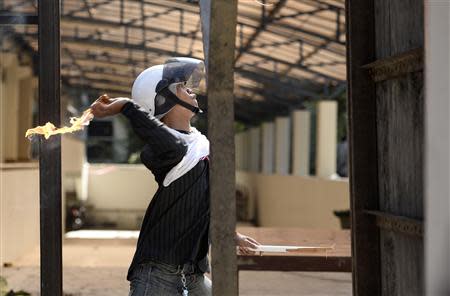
[[401, 259], [400, 163], [399, 30], [400, 143], [400, 147], [291, 263], [383, 29], [406, 25]]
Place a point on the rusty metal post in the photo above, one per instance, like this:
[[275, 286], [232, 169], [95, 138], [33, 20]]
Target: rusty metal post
[[50, 150], [219, 27]]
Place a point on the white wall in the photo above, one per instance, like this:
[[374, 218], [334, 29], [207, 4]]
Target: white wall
[[120, 192], [295, 201], [437, 148], [19, 210]]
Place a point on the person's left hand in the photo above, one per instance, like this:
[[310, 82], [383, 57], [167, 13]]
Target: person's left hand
[[246, 244]]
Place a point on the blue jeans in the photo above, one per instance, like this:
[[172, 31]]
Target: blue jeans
[[159, 279]]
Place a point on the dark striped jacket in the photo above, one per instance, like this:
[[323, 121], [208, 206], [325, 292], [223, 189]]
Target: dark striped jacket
[[176, 223]]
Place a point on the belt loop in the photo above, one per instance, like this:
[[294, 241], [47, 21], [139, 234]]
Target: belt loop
[[188, 268]]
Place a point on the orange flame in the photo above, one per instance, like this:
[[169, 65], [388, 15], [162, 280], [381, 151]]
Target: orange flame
[[49, 129]]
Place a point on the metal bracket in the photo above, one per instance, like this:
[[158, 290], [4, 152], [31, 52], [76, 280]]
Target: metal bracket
[[395, 66], [397, 223]]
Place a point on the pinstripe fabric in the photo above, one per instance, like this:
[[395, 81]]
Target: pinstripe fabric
[[175, 225]]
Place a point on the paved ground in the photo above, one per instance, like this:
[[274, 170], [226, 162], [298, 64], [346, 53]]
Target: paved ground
[[98, 268]]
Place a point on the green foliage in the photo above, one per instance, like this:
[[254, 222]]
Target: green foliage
[[239, 127], [3, 286], [4, 291]]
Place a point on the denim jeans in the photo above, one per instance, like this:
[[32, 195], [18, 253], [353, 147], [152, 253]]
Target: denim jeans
[[158, 279]]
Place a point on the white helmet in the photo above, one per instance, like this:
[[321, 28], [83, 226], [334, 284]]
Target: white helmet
[[155, 88]]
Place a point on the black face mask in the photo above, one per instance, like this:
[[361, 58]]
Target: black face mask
[[170, 97]]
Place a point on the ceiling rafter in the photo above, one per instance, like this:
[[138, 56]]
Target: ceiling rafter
[[264, 22], [280, 64]]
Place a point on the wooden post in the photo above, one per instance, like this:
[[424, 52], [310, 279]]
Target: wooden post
[[363, 147], [219, 29], [50, 150]]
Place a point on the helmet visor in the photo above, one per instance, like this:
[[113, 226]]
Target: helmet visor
[[189, 71]]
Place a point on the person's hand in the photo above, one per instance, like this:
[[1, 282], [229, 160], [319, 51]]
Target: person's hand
[[105, 106], [245, 244]]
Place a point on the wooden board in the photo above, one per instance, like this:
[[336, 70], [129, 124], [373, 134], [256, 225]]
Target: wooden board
[[400, 138], [338, 259]]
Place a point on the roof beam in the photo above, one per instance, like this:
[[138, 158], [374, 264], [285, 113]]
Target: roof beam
[[94, 5], [96, 90], [275, 80], [264, 22], [114, 25], [293, 65], [106, 43]]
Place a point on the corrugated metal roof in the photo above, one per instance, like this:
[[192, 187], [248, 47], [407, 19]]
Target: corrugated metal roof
[[287, 51]]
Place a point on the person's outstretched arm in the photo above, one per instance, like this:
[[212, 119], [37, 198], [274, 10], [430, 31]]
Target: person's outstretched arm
[[163, 149]]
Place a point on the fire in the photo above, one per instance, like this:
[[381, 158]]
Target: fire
[[49, 129]]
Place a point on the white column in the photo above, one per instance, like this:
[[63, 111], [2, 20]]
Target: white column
[[268, 147], [282, 145], [26, 96], [240, 147], [326, 138], [437, 148], [254, 151], [2, 111], [301, 132]]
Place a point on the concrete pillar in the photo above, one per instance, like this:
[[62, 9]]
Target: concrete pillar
[[282, 145], [25, 118], [10, 111], [254, 151], [326, 138], [301, 131], [268, 147]]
